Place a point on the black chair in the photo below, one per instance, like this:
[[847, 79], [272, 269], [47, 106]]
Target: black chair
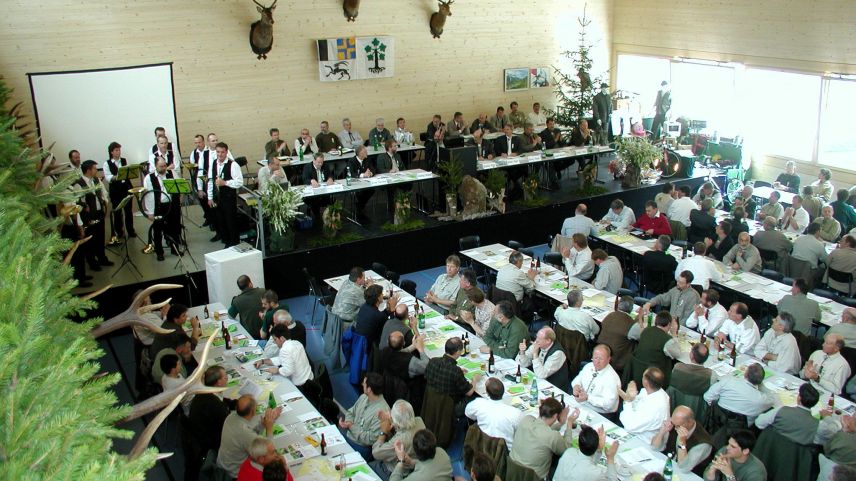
[[496, 295], [847, 301], [380, 269], [772, 274], [527, 252], [622, 291], [769, 259], [639, 301], [787, 280], [554, 259], [393, 277], [408, 286], [515, 245], [843, 277], [829, 294], [684, 245], [469, 242], [316, 290]]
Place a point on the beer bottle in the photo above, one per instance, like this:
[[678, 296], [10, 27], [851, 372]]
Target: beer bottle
[[226, 336], [518, 378], [490, 366], [323, 445], [205, 313], [734, 356]]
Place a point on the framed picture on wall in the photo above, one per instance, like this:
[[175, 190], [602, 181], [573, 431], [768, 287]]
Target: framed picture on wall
[[516, 79], [539, 77]]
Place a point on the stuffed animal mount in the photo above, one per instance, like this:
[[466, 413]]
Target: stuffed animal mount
[[438, 18], [261, 31]]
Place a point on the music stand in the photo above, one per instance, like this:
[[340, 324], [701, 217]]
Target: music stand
[[127, 260], [129, 172], [173, 187]]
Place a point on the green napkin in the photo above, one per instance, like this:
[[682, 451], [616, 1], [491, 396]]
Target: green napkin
[[431, 346], [516, 389], [448, 328], [360, 468], [470, 375], [430, 314], [277, 429], [466, 363]]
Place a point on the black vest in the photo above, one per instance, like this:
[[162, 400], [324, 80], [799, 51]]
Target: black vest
[[170, 156], [699, 436], [650, 349], [225, 193], [118, 188], [307, 149], [90, 201], [175, 199], [561, 377]]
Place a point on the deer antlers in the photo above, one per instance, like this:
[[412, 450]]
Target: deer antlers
[[272, 5], [131, 315]]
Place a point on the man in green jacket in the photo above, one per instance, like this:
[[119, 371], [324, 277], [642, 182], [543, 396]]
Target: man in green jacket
[[247, 306], [504, 336]]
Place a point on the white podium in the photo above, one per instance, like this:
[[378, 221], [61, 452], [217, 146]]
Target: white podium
[[223, 267]]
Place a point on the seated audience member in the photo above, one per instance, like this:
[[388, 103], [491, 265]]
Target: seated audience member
[[172, 379], [609, 276], [429, 461], [402, 134], [505, 333], [741, 395], [703, 269], [810, 248], [838, 451], [772, 208], [361, 166], [788, 180], [709, 314], [361, 423], [374, 313], [480, 319], [246, 306], [529, 140], [596, 386], [397, 426], [545, 357], [457, 127], [499, 120], [537, 116], [772, 240], [577, 260], [272, 173], [484, 147], [735, 460], [680, 299], [847, 327], [653, 223], [494, 417], [581, 134], [658, 266], [718, 247], [180, 347], [316, 173], [822, 187], [406, 362], [276, 147], [444, 376], [351, 295], [738, 222], [436, 130], [444, 291], [842, 259], [842, 211], [536, 441], [830, 229], [467, 282], [749, 204], [379, 134], [552, 136], [484, 469], [827, 369], [613, 333], [702, 222], [579, 223], [277, 470], [692, 377], [805, 311], [796, 218], [583, 462], [175, 319], [708, 190], [619, 216], [291, 362], [571, 316], [348, 137], [811, 202], [261, 453], [778, 348], [401, 321], [739, 330], [305, 144], [270, 304], [516, 118], [481, 123], [796, 423], [665, 198], [743, 256], [657, 345], [513, 279], [507, 145], [683, 205], [239, 431], [208, 412], [645, 411], [327, 141], [685, 437]]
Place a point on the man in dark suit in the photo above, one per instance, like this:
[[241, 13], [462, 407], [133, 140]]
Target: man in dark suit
[[602, 110], [118, 189], [484, 147], [434, 135], [662, 105], [361, 167], [658, 266], [702, 223], [208, 412], [509, 145], [390, 162], [719, 246], [482, 124], [317, 174]]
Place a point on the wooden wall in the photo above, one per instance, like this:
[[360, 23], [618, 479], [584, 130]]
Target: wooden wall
[[221, 87], [811, 36]]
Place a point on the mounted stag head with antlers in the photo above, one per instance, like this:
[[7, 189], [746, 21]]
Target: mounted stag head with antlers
[[261, 31], [351, 9], [438, 19]]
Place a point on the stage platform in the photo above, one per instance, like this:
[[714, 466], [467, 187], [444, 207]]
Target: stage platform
[[401, 252]]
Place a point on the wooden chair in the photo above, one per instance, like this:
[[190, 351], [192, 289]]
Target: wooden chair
[[477, 441]]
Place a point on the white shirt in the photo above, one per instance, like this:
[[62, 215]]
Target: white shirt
[[216, 172], [576, 319], [266, 176], [580, 264], [645, 415], [153, 156], [403, 136], [680, 210], [108, 175], [744, 335], [293, 363], [802, 219], [541, 365], [514, 280], [495, 418], [149, 200], [575, 465], [739, 396], [710, 322], [537, 119], [299, 147], [350, 140], [703, 269], [784, 346], [173, 382], [578, 224], [833, 369], [601, 386], [622, 220]]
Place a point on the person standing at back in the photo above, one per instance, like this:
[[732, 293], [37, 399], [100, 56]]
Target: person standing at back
[[247, 306]]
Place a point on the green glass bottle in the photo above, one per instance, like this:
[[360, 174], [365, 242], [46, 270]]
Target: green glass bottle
[[271, 401], [667, 470]]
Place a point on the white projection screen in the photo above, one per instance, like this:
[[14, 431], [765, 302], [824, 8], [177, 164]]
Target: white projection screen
[[86, 110]]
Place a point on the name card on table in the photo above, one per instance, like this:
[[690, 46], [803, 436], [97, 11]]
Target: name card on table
[[581, 151], [533, 158], [378, 180], [487, 165], [335, 188], [511, 161], [424, 175]]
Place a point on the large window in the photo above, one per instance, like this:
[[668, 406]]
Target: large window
[[640, 77], [837, 139], [706, 92]]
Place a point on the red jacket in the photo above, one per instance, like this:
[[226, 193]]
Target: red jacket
[[660, 224]]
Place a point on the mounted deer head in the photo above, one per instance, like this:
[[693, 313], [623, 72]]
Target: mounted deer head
[[351, 9], [438, 19], [261, 31]]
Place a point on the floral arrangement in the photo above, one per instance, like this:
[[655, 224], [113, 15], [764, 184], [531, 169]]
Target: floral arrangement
[[402, 207], [281, 207], [617, 167], [530, 187], [332, 219]]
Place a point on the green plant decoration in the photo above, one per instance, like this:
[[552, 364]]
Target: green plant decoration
[[281, 207]]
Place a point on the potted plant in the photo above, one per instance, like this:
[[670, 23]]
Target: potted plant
[[332, 219], [281, 208], [530, 188], [451, 173], [636, 153], [495, 183], [402, 207]]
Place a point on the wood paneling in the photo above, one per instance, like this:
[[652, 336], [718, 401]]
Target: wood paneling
[[221, 87]]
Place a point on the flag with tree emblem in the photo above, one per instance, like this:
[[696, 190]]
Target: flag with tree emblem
[[356, 58]]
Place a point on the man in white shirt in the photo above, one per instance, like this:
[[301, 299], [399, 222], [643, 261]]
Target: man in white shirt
[[511, 278], [703, 269], [572, 317], [537, 117], [827, 369], [305, 144], [291, 361], [162, 209], [349, 138], [224, 180], [619, 216], [709, 315], [739, 330], [272, 173], [401, 133], [579, 223], [578, 261], [545, 357], [495, 418], [796, 218], [163, 149], [645, 411], [445, 289], [609, 275], [597, 384], [778, 348], [741, 395], [679, 210]]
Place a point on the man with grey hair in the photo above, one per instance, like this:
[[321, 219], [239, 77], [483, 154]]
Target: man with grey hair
[[680, 299], [546, 357], [349, 138], [512, 278], [847, 328], [743, 256], [571, 316], [240, 429], [826, 368], [261, 452], [398, 425], [296, 330], [379, 133], [619, 216], [741, 395], [772, 240], [778, 348]]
